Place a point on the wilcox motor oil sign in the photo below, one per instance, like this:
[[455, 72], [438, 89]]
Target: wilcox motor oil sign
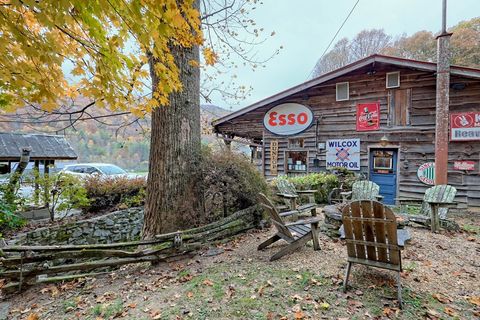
[[343, 153]]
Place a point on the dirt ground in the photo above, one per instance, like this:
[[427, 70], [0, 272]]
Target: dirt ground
[[235, 281]]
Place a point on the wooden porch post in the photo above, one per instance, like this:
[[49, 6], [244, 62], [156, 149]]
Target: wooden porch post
[[36, 176]]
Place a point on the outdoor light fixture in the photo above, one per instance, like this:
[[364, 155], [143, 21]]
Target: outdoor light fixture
[[384, 140]]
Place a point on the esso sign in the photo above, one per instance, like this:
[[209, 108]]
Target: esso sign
[[288, 119]]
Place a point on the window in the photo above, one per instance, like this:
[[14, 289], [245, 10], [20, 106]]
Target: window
[[296, 161], [383, 161], [393, 80], [296, 143], [342, 91]]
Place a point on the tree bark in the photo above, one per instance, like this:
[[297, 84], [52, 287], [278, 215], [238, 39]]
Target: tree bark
[[174, 189]]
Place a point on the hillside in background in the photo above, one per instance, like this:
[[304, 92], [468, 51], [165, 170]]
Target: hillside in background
[[108, 141]]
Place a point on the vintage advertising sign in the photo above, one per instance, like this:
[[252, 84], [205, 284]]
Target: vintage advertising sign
[[288, 119], [465, 126], [274, 157], [368, 116], [343, 153], [464, 165], [426, 173]]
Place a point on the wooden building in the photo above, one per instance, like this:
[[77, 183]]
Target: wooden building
[[44, 149], [375, 116]]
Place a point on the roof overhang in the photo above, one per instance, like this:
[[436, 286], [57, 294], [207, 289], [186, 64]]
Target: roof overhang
[[400, 62]]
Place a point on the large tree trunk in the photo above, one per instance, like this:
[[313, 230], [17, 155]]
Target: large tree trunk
[[174, 190]]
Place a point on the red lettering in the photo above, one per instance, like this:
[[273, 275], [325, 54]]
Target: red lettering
[[282, 120], [273, 119], [291, 118], [302, 118]]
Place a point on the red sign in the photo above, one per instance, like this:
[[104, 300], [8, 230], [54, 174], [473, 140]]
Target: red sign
[[368, 116], [465, 126], [464, 165]]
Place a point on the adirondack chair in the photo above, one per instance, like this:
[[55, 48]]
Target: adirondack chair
[[297, 234], [288, 192], [439, 197], [363, 190], [372, 238]]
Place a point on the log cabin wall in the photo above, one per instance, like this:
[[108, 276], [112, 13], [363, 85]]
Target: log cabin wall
[[412, 130]]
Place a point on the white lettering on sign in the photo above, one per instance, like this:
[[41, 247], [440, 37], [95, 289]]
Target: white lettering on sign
[[343, 153], [465, 126], [288, 119]]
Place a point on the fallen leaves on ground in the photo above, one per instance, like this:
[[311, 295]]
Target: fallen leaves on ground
[[441, 298], [450, 312], [474, 300], [52, 289], [208, 282], [299, 315], [32, 316]]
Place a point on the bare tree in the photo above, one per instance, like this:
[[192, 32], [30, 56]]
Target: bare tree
[[365, 43], [368, 42]]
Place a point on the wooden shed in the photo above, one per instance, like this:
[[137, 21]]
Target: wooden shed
[[375, 116], [44, 149]]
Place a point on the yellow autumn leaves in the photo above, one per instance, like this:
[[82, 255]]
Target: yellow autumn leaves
[[52, 50]]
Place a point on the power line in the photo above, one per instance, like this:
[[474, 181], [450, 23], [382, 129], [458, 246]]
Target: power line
[[336, 34]]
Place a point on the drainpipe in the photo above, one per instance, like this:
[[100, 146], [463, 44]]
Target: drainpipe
[[442, 101]]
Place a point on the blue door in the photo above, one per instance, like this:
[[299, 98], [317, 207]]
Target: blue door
[[383, 171]]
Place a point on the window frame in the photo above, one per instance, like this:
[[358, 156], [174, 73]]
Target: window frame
[[386, 79], [348, 91]]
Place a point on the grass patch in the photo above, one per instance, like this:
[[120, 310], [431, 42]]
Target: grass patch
[[108, 310], [69, 305], [471, 229]]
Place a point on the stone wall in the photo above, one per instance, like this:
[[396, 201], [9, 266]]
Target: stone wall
[[123, 225]]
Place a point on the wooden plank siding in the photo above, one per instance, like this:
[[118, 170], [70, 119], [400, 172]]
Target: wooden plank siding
[[412, 132]]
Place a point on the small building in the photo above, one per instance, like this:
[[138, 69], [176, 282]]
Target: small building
[[375, 116], [44, 149]]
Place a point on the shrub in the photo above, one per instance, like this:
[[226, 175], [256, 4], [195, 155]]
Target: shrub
[[9, 220], [231, 182], [106, 193], [61, 192], [321, 181], [10, 203]]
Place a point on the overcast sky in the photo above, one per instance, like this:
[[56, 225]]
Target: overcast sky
[[305, 27]]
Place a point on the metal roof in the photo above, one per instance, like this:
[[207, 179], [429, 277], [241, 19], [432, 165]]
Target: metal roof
[[43, 147], [401, 62]]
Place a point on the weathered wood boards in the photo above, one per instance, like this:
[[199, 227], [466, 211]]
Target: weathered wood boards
[[407, 119], [371, 236], [297, 234]]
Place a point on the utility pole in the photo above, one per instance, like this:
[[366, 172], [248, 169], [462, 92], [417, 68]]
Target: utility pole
[[442, 101]]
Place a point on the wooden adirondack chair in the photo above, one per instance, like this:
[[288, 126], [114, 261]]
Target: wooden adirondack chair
[[439, 197], [372, 238], [297, 234], [363, 190], [288, 192]]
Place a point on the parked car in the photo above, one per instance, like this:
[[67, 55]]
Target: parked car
[[102, 169]]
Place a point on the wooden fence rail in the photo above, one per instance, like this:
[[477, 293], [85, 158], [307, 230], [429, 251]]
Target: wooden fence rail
[[27, 265]]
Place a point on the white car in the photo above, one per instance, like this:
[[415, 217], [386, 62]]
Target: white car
[[102, 169]]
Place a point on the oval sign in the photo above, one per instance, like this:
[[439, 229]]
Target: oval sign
[[288, 119], [426, 173]]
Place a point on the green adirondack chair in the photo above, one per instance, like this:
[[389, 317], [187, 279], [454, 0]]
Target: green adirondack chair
[[288, 192], [363, 190], [443, 193]]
